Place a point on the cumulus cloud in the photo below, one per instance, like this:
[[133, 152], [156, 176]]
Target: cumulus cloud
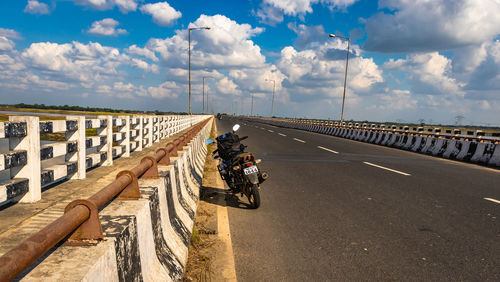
[[227, 86], [6, 44], [145, 66], [226, 45], [35, 7], [86, 63], [163, 14], [430, 73], [486, 75], [308, 35], [106, 27], [10, 33], [424, 26], [124, 6], [167, 89], [142, 52], [272, 11]]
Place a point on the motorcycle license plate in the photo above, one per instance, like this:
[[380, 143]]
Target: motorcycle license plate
[[250, 170]]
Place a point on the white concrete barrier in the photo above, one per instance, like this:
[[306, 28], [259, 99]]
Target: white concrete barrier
[[145, 239]]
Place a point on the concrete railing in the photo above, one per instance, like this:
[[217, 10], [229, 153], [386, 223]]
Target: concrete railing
[[32, 165], [137, 228], [473, 146]]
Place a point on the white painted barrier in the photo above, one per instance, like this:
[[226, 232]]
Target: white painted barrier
[[450, 143], [145, 239]]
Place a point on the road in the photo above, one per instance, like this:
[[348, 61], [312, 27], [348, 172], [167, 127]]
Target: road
[[341, 210]]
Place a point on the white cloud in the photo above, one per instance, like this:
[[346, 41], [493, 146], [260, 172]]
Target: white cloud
[[167, 89], [271, 11], [431, 73], [423, 25], [227, 86], [106, 27], [87, 63], [6, 44], [10, 33], [163, 14], [124, 6], [226, 45], [35, 7], [145, 66], [142, 52]]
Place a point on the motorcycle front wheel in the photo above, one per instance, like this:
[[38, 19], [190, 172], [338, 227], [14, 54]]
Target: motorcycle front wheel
[[254, 196]]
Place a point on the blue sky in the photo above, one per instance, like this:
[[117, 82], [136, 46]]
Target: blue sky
[[410, 60]]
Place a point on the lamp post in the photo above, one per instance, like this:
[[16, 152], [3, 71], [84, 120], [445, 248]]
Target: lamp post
[[346, 65], [189, 62], [272, 103], [204, 93], [251, 108]]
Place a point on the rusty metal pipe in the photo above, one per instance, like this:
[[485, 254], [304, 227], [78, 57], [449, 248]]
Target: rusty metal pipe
[[16, 260], [110, 191]]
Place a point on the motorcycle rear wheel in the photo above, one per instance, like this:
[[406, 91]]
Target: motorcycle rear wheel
[[254, 196]]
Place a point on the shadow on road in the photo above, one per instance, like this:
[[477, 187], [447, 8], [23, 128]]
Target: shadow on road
[[222, 197]]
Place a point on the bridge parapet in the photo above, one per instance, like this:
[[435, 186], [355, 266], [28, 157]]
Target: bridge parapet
[[460, 144], [29, 164]]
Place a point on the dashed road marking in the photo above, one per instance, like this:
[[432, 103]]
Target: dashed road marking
[[389, 169], [492, 200], [262, 128], [270, 130], [281, 134], [329, 150], [302, 141]]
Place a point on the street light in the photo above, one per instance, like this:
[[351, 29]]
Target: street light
[[189, 51], [346, 65], [274, 88], [204, 93]]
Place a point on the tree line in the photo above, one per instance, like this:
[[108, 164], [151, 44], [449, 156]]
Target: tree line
[[86, 109]]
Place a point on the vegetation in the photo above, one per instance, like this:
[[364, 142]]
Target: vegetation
[[66, 109]]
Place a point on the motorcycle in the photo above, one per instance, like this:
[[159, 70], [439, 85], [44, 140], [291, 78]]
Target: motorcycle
[[238, 168]]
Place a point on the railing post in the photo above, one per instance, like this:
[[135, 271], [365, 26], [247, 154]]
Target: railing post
[[79, 156], [30, 143], [149, 135], [108, 132], [126, 129], [139, 132]]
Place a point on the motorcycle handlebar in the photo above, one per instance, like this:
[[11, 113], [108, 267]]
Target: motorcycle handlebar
[[243, 138]]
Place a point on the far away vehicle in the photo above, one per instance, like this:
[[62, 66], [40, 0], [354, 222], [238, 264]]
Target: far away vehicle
[[238, 168]]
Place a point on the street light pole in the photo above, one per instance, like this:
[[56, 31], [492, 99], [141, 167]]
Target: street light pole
[[189, 60], [204, 93], [346, 66], [251, 108], [272, 103]]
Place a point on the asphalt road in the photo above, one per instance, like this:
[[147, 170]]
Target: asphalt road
[[332, 211]]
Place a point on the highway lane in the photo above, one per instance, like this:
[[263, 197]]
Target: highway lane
[[332, 211]]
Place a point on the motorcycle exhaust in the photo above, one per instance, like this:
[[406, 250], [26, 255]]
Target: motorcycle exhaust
[[262, 177]]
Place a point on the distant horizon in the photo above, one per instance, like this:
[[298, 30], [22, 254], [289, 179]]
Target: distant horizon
[[285, 117]]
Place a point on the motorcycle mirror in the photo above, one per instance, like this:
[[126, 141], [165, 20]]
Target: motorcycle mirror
[[236, 127], [209, 141]]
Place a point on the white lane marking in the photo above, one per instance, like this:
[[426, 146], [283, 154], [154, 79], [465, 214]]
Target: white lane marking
[[262, 128], [326, 149], [270, 130], [493, 200], [393, 170], [302, 141], [281, 134]]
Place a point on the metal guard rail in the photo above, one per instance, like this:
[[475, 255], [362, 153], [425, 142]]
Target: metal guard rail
[[81, 218]]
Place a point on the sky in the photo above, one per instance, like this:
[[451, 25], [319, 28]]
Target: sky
[[436, 61]]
